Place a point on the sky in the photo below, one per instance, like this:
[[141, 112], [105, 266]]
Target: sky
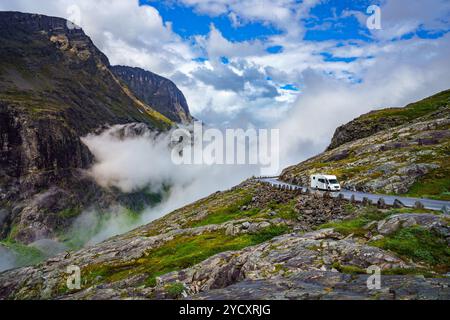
[[304, 67]]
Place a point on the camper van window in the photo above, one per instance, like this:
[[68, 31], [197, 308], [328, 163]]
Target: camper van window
[[321, 180], [333, 181]]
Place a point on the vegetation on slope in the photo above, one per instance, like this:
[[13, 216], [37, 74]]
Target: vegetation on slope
[[409, 159]]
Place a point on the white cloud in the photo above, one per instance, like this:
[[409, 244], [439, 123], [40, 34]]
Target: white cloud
[[399, 18], [406, 72], [126, 32]]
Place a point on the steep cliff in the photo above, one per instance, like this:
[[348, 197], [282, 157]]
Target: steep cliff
[[158, 92], [55, 87]]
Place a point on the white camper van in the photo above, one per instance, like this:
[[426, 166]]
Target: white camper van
[[325, 182]]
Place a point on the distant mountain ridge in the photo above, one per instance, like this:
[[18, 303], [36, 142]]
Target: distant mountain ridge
[[156, 91], [378, 120]]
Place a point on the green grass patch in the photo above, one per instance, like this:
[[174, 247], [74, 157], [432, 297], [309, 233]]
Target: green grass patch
[[284, 210], [180, 253], [348, 269], [70, 212], [418, 244], [356, 225], [227, 213], [410, 210], [410, 271], [174, 290], [414, 110], [434, 185]]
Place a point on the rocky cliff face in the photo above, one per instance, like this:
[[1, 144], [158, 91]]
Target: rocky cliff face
[[400, 151], [376, 121], [55, 87], [158, 92]]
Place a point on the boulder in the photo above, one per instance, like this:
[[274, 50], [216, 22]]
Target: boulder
[[398, 204]]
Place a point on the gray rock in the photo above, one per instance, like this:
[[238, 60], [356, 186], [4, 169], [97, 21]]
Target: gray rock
[[385, 227], [418, 205], [316, 285], [398, 204], [381, 204], [425, 220]]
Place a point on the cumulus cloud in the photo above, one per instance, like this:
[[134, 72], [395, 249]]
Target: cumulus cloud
[[126, 32], [132, 158], [391, 80]]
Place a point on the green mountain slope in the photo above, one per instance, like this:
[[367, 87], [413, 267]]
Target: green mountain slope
[[399, 151], [255, 242]]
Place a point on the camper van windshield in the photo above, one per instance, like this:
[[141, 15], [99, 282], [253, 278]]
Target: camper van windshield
[[333, 181]]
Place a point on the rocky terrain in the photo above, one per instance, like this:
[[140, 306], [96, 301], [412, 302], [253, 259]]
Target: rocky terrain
[[158, 92], [253, 241], [56, 87], [256, 242], [391, 151]]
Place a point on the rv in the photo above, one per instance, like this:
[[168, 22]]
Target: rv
[[325, 182]]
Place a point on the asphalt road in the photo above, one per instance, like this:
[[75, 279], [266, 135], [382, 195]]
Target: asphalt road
[[437, 205]]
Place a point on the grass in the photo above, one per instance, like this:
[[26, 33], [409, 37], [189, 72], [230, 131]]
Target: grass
[[174, 290], [348, 269], [227, 213], [284, 210], [434, 185], [180, 253], [418, 244], [70, 212], [356, 226], [414, 110]]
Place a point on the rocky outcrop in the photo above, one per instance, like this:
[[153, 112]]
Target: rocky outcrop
[[160, 260], [156, 91], [284, 255], [327, 285], [376, 121], [436, 223], [360, 128], [410, 158]]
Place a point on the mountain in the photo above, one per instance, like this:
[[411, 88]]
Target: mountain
[[55, 87], [256, 241], [394, 151], [156, 91]]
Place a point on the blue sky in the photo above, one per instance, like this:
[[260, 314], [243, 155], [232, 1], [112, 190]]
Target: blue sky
[[188, 22], [305, 67], [326, 21], [337, 21]]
